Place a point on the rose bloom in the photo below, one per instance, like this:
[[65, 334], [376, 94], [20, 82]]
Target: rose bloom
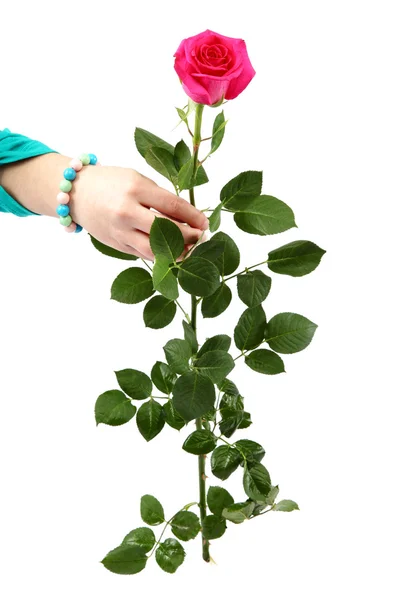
[[213, 67]]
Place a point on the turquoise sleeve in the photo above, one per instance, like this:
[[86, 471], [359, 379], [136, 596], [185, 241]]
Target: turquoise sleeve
[[15, 147]]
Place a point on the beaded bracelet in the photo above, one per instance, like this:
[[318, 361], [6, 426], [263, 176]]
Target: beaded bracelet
[[63, 196]]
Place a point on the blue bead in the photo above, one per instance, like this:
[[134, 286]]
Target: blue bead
[[62, 210], [69, 174], [93, 159], [78, 228]]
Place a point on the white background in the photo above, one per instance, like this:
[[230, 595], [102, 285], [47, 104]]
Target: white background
[[321, 119]]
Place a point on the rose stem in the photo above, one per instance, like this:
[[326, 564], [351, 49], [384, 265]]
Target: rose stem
[[202, 457]]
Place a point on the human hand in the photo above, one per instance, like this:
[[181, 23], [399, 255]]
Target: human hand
[[113, 204]]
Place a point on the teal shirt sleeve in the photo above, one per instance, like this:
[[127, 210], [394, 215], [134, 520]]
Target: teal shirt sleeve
[[15, 147]]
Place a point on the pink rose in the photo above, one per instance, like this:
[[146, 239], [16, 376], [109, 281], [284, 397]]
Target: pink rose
[[212, 67]]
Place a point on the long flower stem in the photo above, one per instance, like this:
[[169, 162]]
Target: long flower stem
[[202, 457]]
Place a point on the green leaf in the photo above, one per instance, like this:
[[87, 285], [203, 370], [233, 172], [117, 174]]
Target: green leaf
[[229, 259], [164, 281], [246, 421], [132, 286], [238, 512], [144, 140], [215, 364], [170, 555], [150, 419], [125, 560], [151, 510], [240, 189], [287, 333], [265, 361], [253, 287], [166, 239], [217, 342], [198, 276], [163, 377], [264, 215], [218, 498], [286, 506], [215, 218], [141, 536], [162, 161], [296, 258], [213, 527], [172, 417], [200, 442], [201, 176], [227, 386], [181, 154], [190, 336], [210, 250], [253, 451], [185, 525], [217, 303], [134, 383], [269, 501], [256, 482], [193, 395], [231, 420], [218, 131], [224, 461], [186, 175], [178, 352], [249, 332], [114, 408], [159, 312], [108, 251]]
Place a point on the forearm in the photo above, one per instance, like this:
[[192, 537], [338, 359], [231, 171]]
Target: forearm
[[34, 182]]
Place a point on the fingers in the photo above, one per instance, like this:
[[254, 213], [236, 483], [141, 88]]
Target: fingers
[[175, 207], [139, 242], [144, 219]]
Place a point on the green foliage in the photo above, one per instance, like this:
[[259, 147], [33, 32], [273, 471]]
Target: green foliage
[[217, 342], [287, 333], [125, 560], [172, 417], [190, 336], [163, 377], [249, 332], [166, 239], [181, 154], [210, 250], [238, 512], [218, 498], [224, 461], [170, 555], [286, 506], [200, 442], [185, 525], [296, 258], [198, 276], [159, 312], [240, 189], [162, 161], [150, 419], [218, 131], [256, 482], [108, 251], [228, 261], [164, 281], [265, 361], [252, 451], [145, 140], [263, 215], [215, 218], [253, 287], [151, 510], [193, 395], [216, 364], [178, 352], [141, 536], [113, 408], [213, 527], [134, 383], [132, 286]]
